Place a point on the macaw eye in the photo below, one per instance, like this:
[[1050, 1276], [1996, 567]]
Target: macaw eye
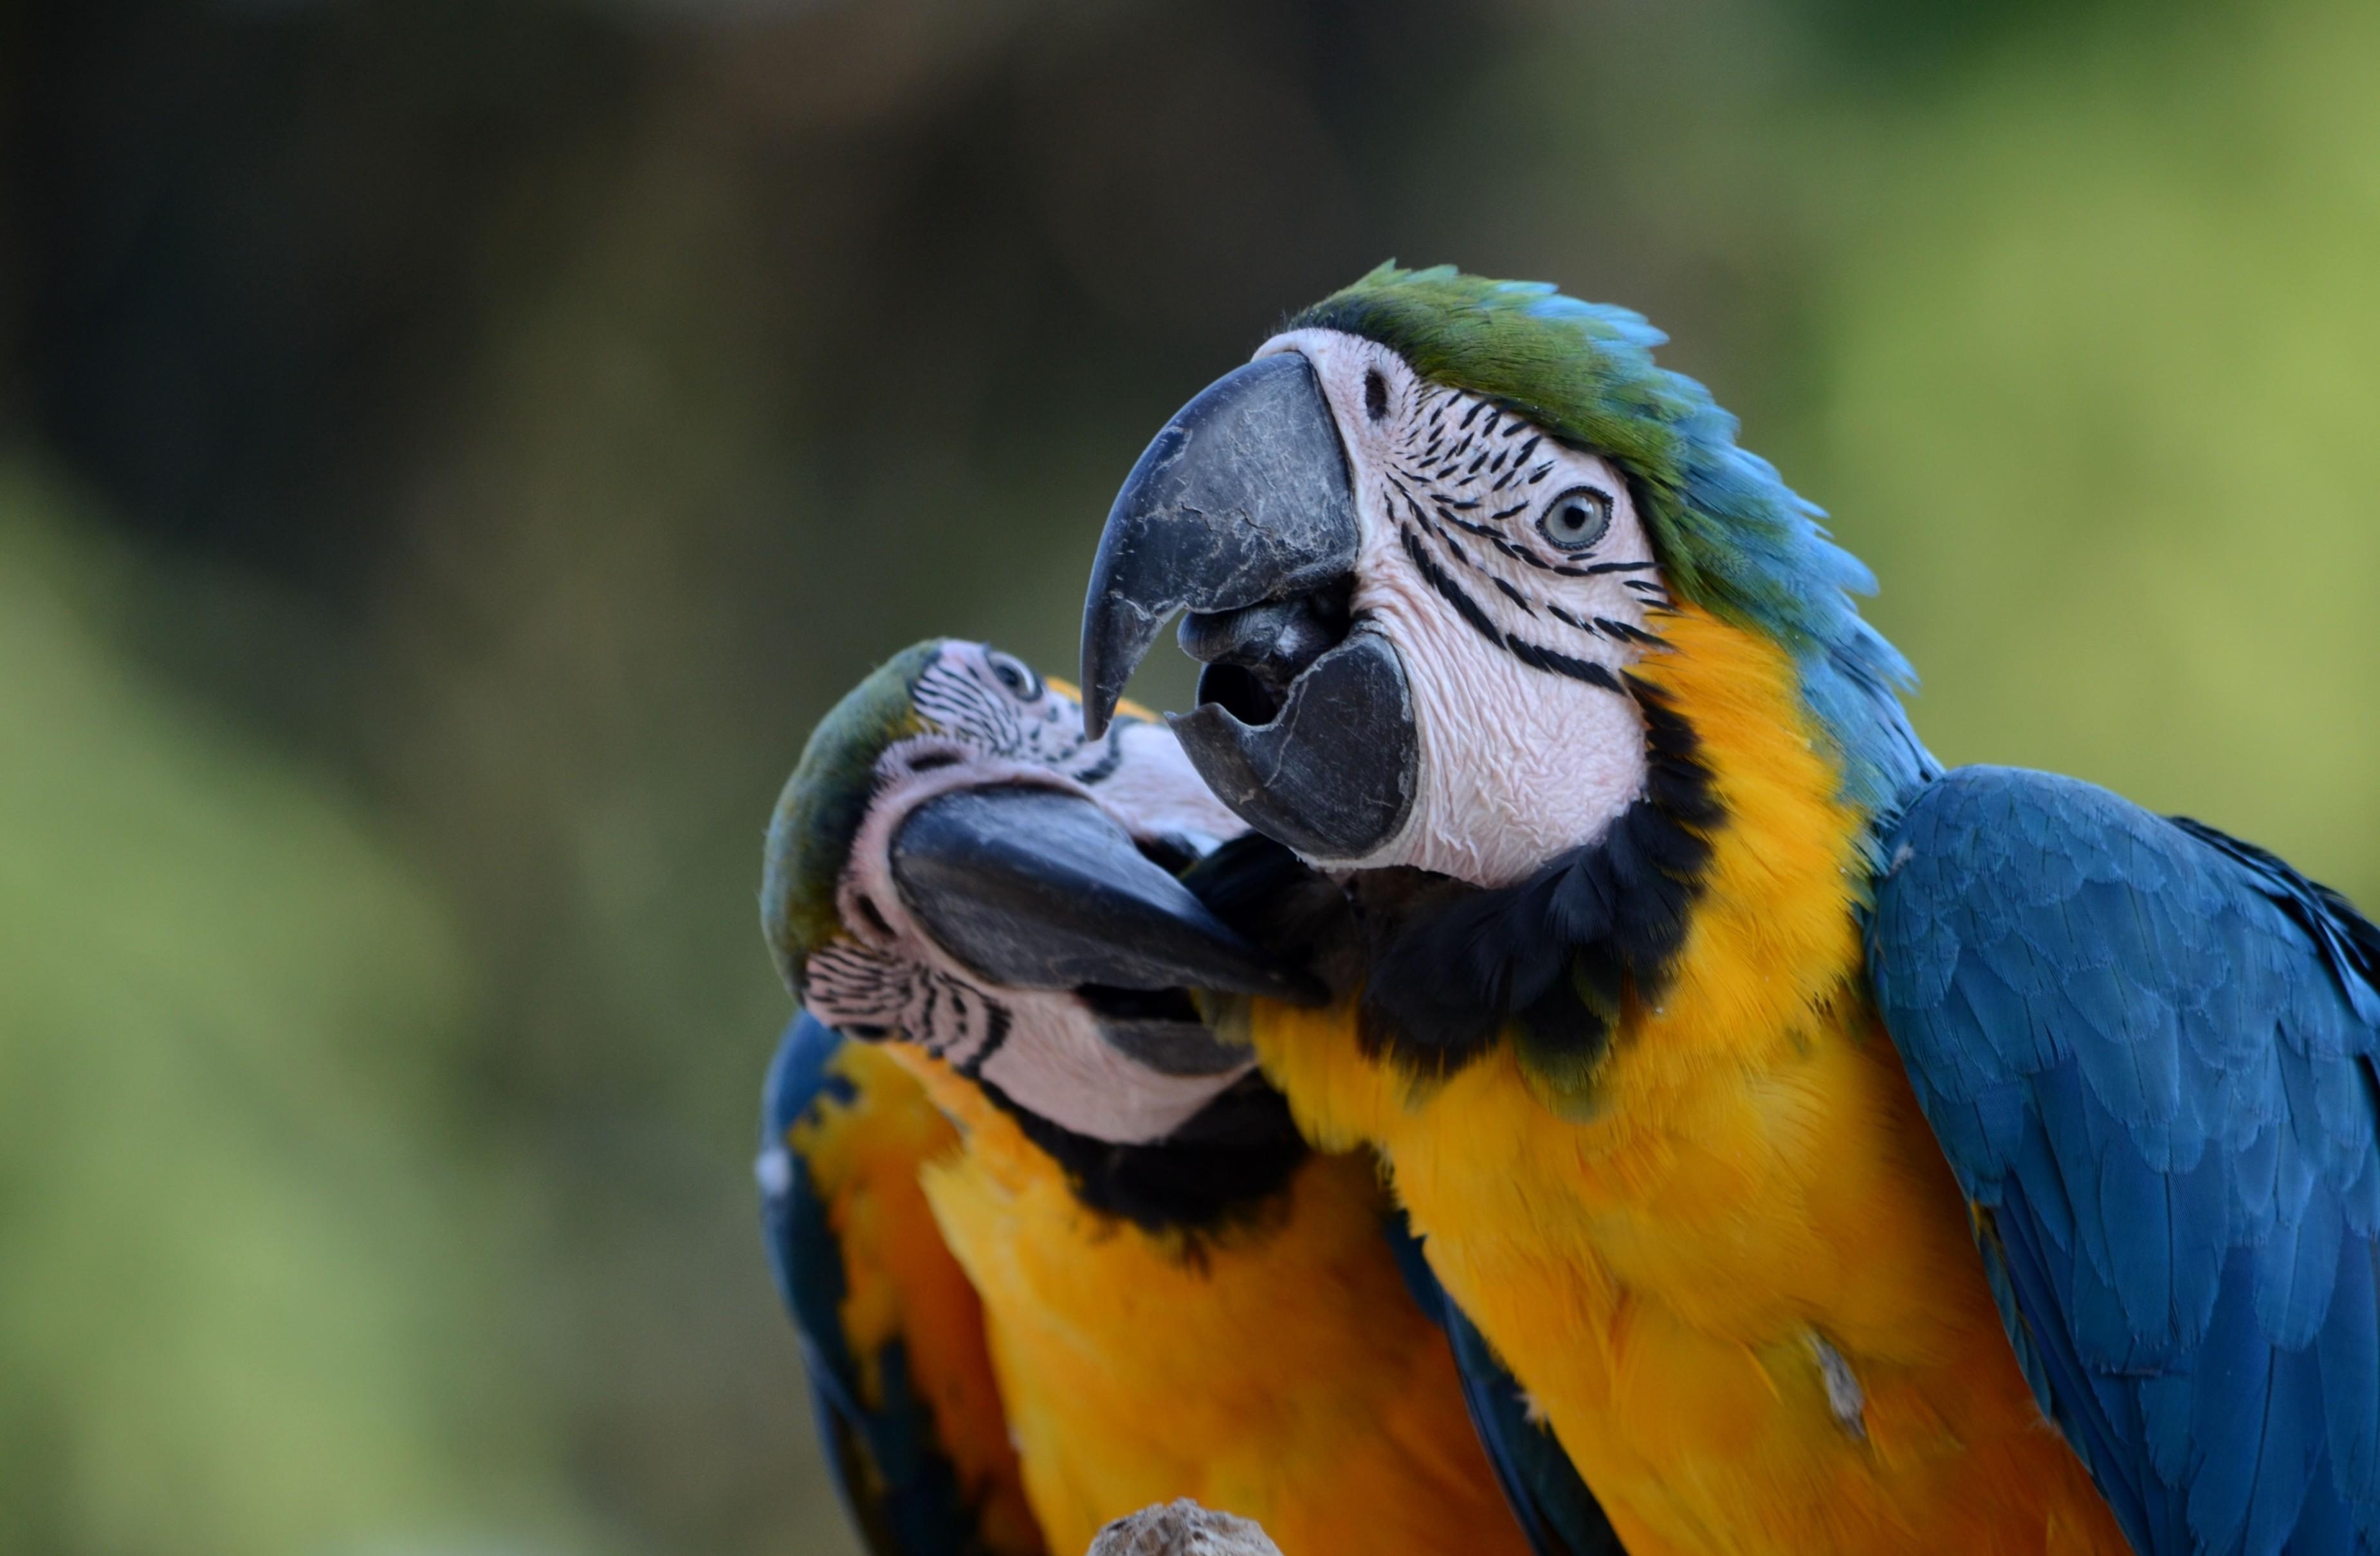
[[1016, 675], [1375, 396], [1577, 518]]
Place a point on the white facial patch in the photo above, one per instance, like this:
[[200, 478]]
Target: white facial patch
[[1038, 1045], [996, 705], [1512, 576], [1155, 786], [993, 722]]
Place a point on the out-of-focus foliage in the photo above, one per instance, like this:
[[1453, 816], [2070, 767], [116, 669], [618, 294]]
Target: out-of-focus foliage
[[247, 1264], [2102, 381], [477, 438]]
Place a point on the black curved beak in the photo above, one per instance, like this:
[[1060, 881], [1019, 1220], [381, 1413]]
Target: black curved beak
[[1243, 512], [1037, 889]]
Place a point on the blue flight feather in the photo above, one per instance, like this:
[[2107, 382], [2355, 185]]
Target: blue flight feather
[[2148, 1050], [900, 1485]]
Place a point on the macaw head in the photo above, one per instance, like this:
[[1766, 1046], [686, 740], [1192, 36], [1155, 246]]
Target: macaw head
[[956, 865], [1426, 538], [1482, 592]]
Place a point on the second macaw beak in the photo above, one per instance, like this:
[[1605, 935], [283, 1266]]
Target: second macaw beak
[[1241, 512], [1035, 888]]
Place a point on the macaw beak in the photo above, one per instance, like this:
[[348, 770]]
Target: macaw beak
[[1035, 888], [1241, 512]]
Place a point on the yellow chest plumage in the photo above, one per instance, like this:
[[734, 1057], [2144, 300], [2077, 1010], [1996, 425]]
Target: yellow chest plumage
[[1278, 1371], [1740, 1282]]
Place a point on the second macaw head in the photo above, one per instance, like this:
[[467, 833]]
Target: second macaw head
[[1425, 538], [955, 865]]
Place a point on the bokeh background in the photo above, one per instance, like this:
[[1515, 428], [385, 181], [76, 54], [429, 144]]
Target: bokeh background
[[451, 450]]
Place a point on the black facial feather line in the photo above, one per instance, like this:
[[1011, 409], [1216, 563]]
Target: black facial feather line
[[991, 719], [870, 996], [1447, 512], [1535, 656]]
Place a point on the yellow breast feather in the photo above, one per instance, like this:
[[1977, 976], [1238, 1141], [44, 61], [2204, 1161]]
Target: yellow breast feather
[[902, 1284], [1741, 1284], [1278, 1369]]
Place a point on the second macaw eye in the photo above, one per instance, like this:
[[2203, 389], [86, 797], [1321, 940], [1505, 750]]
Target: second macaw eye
[[1577, 518], [1016, 675]]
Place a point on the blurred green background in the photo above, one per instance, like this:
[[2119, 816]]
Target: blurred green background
[[450, 451]]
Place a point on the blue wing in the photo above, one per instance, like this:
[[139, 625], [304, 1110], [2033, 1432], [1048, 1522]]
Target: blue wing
[[881, 1436], [1556, 1510], [2147, 1050]]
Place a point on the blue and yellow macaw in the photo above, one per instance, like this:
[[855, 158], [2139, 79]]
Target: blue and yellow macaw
[[1054, 1251], [1810, 1129]]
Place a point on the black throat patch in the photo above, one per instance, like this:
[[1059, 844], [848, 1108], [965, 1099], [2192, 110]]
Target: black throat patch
[[1446, 969], [1224, 1168], [1552, 959]]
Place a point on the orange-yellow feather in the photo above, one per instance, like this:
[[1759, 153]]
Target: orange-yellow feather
[[901, 1282], [1279, 1370], [1751, 1202]]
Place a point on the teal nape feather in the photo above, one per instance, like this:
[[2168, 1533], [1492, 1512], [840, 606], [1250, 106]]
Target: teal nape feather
[[1730, 536], [819, 815]]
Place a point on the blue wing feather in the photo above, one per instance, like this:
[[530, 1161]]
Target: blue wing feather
[[1556, 1510], [2147, 1049], [900, 1489]]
